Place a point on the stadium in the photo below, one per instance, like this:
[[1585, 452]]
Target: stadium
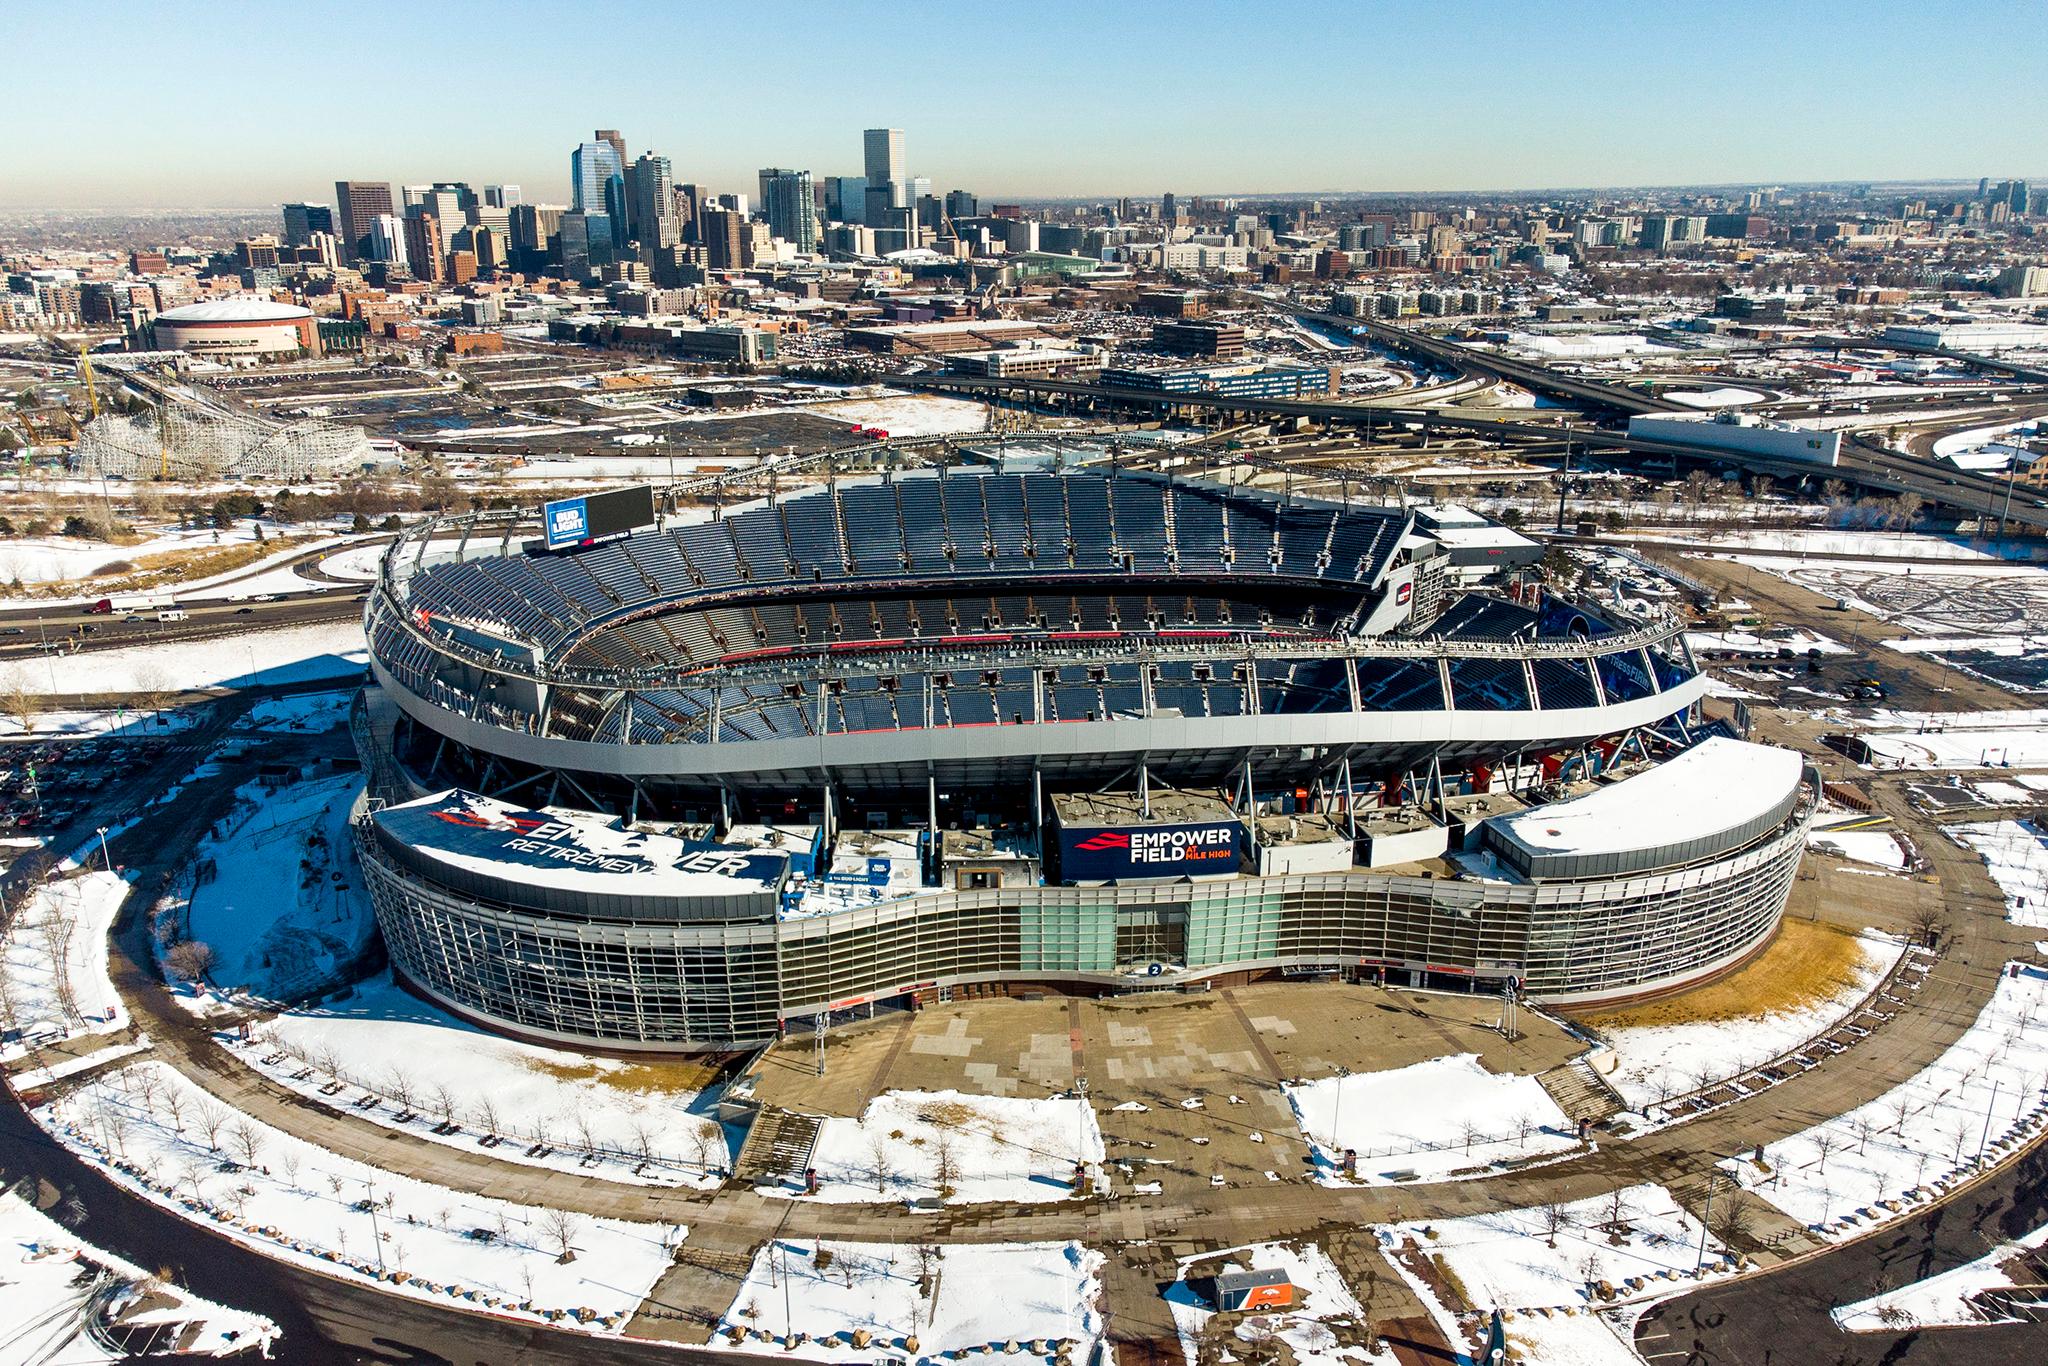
[[670, 778]]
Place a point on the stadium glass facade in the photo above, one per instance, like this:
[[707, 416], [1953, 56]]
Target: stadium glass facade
[[707, 984]]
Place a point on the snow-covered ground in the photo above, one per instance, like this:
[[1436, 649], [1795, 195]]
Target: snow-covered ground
[[1878, 848], [281, 900], [2016, 853], [1985, 747], [56, 963], [304, 714], [1745, 642], [1941, 1301], [951, 1299], [1650, 1064], [1322, 1299], [602, 1117], [1505, 1259], [908, 414], [1909, 1144], [148, 1127], [1427, 1121], [990, 1148], [1823, 543], [124, 723], [289, 655], [48, 1281]]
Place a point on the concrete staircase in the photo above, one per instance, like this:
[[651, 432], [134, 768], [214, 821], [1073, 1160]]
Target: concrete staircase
[[1581, 1092], [778, 1147]]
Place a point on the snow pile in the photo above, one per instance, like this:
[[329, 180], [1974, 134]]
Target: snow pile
[[280, 899], [1946, 1300], [1878, 848], [916, 1144], [51, 1280], [1629, 1241], [1743, 642], [908, 414], [1650, 1064], [2009, 747], [56, 964], [2016, 853], [123, 723], [862, 1302], [1428, 1121], [433, 1077], [1917, 1139], [164, 1138], [304, 714], [291, 654], [1321, 1300]]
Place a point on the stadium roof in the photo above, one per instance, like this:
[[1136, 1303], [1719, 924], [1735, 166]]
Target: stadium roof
[[242, 310]]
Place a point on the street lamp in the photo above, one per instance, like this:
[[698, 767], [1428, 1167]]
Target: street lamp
[[104, 855]]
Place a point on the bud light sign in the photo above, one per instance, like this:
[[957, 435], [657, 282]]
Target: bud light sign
[[1098, 854], [567, 522]]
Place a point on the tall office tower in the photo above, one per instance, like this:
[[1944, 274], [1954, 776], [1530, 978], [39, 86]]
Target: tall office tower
[[502, 196], [387, 240], [572, 244], [411, 196], [616, 139], [791, 206], [597, 183], [1169, 210], [2018, 196], [725, 239], [846, 198], [887, 175], [301, 221], [426, 236], [534, 229], [448, 202], [651, 205], [960, 204], [358, 205], [689, 203]]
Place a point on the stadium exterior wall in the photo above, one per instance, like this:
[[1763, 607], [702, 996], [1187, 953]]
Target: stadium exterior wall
[[677, 987]]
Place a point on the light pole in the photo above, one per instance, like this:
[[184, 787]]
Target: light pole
[[1337, 1116], [108, 858]]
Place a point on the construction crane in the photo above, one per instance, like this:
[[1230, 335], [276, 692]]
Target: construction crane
[[85, 370]]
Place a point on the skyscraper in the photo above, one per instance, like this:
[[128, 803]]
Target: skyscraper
[[846, 198], [616, 139], [791, 205], [651, 205], [888, 179], [502, 196], [301, 221], [723, 234], [597, 183], [386, 241], [358, 206], [425, 237]]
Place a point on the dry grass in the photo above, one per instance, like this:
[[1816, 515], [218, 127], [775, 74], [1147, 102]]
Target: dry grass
[[645, 1078], [167, 568], [1808, 961]]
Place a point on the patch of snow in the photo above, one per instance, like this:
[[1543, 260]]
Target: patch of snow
[[50, 1280], [1412, 1123], [1649, 1064], [953, 1299], [1941, 1301], [1878, 848], [146, 1127], [289, 655], [56, 962], [1872, 1164], [1321, 1299], [2016, 854], [1004, 1148], [381, 1041]]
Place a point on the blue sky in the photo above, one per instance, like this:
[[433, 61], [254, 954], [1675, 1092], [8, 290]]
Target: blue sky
[[218, 104]]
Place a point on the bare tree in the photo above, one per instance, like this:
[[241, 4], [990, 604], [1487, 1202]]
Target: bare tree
[[561, 1228], [1929, 922], [1824, 1142], [212, 1116], [1469, 1132], [192, 959], [290, 1165], [400, 1088], [19, 700], [946, 1165], [486, 1116], [247, 1140], [878, 1161], [1617, 1221], [1555, 1219], [705, 1146], [442, 1105]]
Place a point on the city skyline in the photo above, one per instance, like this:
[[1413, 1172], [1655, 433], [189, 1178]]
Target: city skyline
[[1565, 99]]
